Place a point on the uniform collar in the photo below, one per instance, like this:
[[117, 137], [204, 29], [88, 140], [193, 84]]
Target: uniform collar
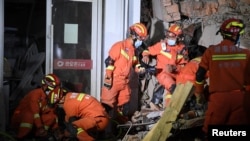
[[227, 42], [128, 43]]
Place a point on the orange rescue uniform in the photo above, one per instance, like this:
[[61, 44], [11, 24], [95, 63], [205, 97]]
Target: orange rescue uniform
[[229, 72], [165, 54], [123, 54], [187, 73], [91, 115], [33, 113]]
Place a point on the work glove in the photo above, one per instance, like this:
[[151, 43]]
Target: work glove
[[58, 134], [108, 82], [145, 59], [108, 79], [139, 69], [41, 132], [170, 68], [72, 119], [71, 129]]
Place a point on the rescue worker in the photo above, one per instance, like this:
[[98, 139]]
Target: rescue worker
[[229, 73], [34, 116], [196, 103], [122, 57], [188, 72], [171, 55], [85, 116]]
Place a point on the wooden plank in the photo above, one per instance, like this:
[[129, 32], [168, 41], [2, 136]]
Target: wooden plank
[[162, 128]]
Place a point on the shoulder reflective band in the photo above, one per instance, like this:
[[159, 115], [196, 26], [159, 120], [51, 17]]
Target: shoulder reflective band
[[124, 54], [36, 116], [229, 57], [179, 56], [79, 130], [46, 127], [26, 125], [198, 59], [80, 96]]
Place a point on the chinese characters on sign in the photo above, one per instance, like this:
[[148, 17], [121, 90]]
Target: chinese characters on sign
[[77, 64]]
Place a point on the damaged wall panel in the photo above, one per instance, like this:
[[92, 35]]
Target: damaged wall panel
[[210, 12]]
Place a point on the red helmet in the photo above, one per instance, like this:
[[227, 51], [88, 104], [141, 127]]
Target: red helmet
[[56, 95], [232, 27], [51, 80], [176, 29], [139, 30]]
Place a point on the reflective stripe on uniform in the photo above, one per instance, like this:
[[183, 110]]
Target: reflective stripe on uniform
[[79, 130], [110, 67], [56, 120], [80, 96], [168, 96], [36, 116], [40, 104], [134, 58], [168, 55], [46, 127], [229, 57], [52, 97], [124, 54], [179, 56], [198, 59], [200, 83], [26, 125]]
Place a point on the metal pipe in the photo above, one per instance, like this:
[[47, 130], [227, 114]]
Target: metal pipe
[[135, 124]]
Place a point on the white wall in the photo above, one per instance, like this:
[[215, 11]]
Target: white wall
[[114, 22], [118, 16]]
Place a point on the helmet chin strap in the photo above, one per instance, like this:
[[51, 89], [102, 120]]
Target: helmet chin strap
[[134, 39], [237, 41], [47, 91]]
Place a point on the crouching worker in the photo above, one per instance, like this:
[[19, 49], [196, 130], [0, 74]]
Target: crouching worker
[[85, 116], [34, 116]]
